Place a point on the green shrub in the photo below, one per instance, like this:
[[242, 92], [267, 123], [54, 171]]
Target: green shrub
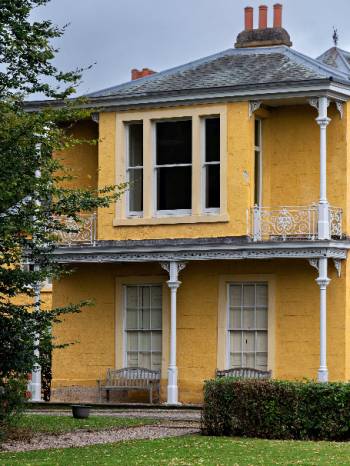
[[13, 395], [276, 409]]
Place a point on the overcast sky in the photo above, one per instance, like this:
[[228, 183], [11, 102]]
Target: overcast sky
[[122, 34]]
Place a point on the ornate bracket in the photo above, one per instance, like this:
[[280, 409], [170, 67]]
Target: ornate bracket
[[254, 105], [95, 117], [173, 268], [314, 263], [314, 102], [337, 265], [340, 108]]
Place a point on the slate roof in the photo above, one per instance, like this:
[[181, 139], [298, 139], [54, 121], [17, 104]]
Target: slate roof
[[230, 68], [337, 58]]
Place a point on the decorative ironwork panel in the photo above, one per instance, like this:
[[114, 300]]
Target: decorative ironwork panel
[[81, 231], [336, 222], [284, 223], [292, 223]]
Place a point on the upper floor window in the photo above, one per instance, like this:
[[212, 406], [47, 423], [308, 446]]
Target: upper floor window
[[212, 163], [174, 162], [174, 165], [135, 167]]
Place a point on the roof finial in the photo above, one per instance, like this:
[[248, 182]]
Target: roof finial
[[335, 36]]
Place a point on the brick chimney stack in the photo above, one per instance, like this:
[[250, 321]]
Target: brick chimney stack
[[263, 36], [277, 15], [248, 18], [137, 74], [262, 17]]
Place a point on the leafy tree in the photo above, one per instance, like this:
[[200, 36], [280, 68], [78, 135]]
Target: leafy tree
[[33, 196]]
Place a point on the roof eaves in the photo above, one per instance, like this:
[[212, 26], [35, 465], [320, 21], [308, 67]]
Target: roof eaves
[[246, 92]]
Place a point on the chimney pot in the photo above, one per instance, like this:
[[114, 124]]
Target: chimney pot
[[277, 15], [248, 18], [137, 74], [262, 17]]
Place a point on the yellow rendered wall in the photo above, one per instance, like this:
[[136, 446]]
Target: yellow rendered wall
[[82, 159], [45, 298], [291, 160], [240, 179], [296, 321]]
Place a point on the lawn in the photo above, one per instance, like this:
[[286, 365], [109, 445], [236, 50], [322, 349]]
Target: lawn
[[59, 424], [194, 450]]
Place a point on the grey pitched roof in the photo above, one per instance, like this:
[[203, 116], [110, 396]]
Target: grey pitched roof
[[337, 58], [230, 68]]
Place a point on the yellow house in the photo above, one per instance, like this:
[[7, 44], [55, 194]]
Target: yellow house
[[230, 247]]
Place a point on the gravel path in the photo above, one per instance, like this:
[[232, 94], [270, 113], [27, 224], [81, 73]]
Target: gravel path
[[84, 437], [161, 414]]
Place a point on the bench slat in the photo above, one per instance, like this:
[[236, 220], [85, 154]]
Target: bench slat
[[245, 373]]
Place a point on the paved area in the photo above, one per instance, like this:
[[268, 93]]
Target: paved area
[[160, 414], [83, 438]]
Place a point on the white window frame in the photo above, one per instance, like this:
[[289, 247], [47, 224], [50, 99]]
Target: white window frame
[[125, 331], [228, 330], [174, 212], [259, 149], [205, 164], [132, 213]]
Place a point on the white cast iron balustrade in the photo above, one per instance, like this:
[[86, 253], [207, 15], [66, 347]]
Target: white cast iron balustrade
[[82, 231], [291, 223]]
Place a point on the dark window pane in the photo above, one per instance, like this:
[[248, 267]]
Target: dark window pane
[[212, 140], [257, 133], [136, 190], [135, 145], [174, 142], [212, 186], [174, 186]]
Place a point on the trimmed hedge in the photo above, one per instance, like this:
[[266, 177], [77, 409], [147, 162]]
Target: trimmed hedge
[[274, 409]]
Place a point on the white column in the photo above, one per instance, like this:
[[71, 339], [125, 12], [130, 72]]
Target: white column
[[323, 206], [36, 372], [173, 269], [323, 281]]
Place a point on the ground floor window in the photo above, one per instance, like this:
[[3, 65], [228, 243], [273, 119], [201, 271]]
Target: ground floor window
[[248, 325], [143, 326]]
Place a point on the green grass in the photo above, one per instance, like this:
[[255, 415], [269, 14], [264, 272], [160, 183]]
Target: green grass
[[192, 451], [59, 424]]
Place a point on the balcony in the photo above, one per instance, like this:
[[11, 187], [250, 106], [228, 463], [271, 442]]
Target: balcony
[[289, 223], [82, 231]]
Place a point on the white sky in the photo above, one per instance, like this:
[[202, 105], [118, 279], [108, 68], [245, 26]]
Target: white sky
[[122, 34]]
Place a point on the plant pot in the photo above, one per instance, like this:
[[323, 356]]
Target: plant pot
[[80, 411]]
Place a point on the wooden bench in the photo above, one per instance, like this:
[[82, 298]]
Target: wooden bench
[[130, 378], [244, 373]]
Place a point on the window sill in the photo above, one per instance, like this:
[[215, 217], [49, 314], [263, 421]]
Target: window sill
[[172, 220]]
